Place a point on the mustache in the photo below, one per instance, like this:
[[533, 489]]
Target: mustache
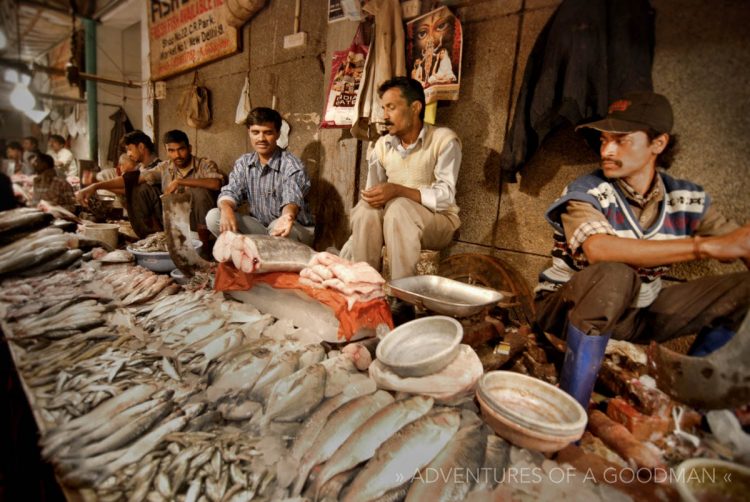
[[616, 162]]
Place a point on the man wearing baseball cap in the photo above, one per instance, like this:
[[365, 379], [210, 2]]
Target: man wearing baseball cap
[[617, 230]]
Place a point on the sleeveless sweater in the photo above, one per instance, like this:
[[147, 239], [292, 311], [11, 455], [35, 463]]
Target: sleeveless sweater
[[680, 213], [417, 169]]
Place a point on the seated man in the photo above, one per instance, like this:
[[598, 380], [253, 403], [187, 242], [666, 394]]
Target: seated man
[[30, 150], [272, 181], [617, 230], [65, 162], [410, 199], [16, 164], [50, 186], [200, 176]]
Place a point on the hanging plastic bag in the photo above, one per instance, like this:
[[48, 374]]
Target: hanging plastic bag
[[244, 106], [195, 105], [345, 86]]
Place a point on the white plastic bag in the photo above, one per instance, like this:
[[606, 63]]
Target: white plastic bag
[[455, 381], [244, 106]]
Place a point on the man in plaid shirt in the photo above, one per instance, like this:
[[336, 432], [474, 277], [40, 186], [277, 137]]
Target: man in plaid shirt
[[50, 186], [272, 181]]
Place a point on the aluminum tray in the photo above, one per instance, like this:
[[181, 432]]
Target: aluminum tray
[[443, 295]]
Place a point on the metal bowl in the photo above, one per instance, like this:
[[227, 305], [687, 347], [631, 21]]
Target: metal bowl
[[421, 347], [158, 261], [443, 295], [532, 404], [710, 479]]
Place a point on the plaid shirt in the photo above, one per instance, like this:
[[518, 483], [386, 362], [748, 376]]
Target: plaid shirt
[[269, 188], [54, 189]]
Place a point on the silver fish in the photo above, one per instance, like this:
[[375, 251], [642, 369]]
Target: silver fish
[[340, 425], [404, 454], [363, 443], [293, 397], [452, 474]]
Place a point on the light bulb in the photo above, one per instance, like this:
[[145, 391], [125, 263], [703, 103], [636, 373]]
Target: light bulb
[[22, 99]]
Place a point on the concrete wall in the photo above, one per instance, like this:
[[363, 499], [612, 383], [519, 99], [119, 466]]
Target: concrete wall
[[118, 58], [701, 63]]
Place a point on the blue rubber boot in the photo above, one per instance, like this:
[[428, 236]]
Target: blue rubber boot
[[583, 358], [709, 340]]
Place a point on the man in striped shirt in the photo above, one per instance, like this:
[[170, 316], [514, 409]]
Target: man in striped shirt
[[617, 230], [272, 181]]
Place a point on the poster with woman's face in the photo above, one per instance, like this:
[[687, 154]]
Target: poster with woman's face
[[433, 53]]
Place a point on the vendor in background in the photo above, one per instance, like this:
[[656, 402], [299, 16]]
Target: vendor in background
[[50, 186], [65, 162], [141, 150], [617, 230], [15, 163], [274, 183], [410, 197], [183, 171], [30, 150]]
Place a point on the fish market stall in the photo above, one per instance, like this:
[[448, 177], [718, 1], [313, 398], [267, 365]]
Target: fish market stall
[[144, 389]]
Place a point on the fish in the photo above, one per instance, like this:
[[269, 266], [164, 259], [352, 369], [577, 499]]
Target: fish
[[340, 425], [61, 261], [29, 258], [23, 217], [131, 397], [496, 459], [258, 254], [456, 469], [241, 378], [282, 365], [293, 397], [363, 443], [404, 454]]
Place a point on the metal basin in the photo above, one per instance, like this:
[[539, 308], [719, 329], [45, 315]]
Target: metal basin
[[421, 347], [158, 261], [444, 296], [532, 404]]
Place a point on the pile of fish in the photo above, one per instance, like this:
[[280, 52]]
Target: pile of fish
[[154, 243], [358, 282], [158, 393], [39, 252], [20, 219]]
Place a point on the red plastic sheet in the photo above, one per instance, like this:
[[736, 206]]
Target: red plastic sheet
[[362, 315]]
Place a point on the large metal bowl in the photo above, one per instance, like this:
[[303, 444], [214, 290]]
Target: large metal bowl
[[532, 404], [421, 347], [444, 296], [158, 261]]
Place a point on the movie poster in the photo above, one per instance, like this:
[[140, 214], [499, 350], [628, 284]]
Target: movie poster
[[433, 53]]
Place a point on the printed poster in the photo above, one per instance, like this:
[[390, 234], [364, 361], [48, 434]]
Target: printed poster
[[434, 43], [187, 34]]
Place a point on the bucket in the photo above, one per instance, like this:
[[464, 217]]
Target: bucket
[[105, 232]]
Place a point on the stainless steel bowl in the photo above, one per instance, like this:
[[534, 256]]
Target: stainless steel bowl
[[444, 296], [421, 347], [158, 261]]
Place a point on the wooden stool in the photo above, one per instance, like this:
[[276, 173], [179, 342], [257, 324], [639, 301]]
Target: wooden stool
[[428, 263]]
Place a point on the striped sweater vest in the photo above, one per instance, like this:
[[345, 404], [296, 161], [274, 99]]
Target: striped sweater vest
[[679, 215]]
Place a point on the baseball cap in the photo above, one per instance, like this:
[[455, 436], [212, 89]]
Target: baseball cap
[[637, 111]]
